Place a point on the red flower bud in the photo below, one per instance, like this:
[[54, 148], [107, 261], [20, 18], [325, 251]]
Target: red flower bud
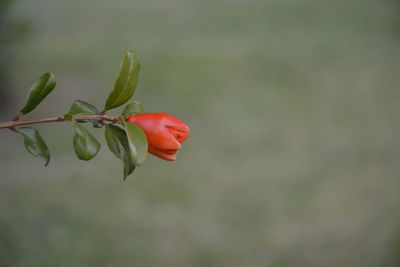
[[164, 133]]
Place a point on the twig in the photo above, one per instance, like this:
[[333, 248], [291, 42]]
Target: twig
[[12, 124]]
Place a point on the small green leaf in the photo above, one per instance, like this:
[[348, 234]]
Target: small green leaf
[[117, 141], [85, 145], [38, 91], [34, 143], [137, 142], [68, 117], [80, 107], [133, 108], [126, 82]]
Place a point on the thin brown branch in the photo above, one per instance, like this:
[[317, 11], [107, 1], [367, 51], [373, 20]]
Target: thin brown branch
[[12, 124]]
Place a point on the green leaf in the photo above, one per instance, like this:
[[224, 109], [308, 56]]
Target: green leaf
[[117, 141], [137, 142], [85, 145], [68, 117], [126, 82], [80, 107], [38, 91], [133, 108], [34, 143]]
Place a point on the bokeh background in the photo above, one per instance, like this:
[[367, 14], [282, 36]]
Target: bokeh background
[[294, 156]]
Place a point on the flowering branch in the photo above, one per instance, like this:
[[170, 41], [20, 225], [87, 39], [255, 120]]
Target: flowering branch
[[137, 134]]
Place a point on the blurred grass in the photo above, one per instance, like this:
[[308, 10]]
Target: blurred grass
[[293, 157]]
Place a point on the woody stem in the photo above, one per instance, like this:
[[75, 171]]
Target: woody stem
[[12, 124]]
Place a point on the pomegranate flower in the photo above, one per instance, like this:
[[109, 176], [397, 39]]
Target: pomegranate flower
[[164, 133]]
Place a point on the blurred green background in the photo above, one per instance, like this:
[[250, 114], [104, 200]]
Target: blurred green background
[[294, 155]]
